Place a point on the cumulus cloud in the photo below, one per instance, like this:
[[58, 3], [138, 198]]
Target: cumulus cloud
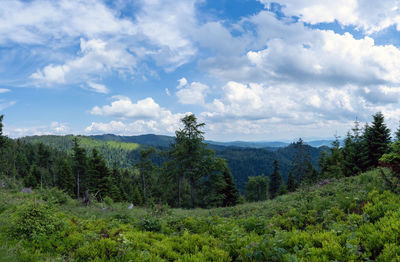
[[55, 128], [191, 94], [96, 57], [108, 41], [41, 21], [123, 107], [168, 30], [143, 116], [370, 15]]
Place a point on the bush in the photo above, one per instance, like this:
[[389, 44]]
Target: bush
[[54, 196], [150, 223], [33, 221], [108, 200]]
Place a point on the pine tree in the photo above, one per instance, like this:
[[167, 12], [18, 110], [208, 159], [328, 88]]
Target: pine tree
[[230, 192], [300, 161], [352, 159], [397, 134], [2, 137], [137, 197], [291, 184], [282, 189], [79, 168], [99, 175], [146, 170], [311, 175], [276, 181], [335, 160], [65, 176], [377, 140], [189, 156]]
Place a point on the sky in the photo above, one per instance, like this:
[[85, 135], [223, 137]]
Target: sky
[[250, 70]]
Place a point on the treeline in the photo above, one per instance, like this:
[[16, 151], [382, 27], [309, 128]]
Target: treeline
[[363, 149], [190, 174]]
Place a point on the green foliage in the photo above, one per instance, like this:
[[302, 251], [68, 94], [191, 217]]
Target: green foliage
[[257, 188], [275, 181], [151, 223], [54, 196], [35, 221], [350, 219], [376, 141]]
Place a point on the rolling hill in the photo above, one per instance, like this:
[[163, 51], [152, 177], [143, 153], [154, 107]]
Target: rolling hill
[[124, 150]]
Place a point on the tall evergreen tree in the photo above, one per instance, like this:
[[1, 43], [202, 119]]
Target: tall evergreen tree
[[377, 140], [275, 181], [190, 156], [79, 167], [291, 183], [65, 176], [397, 133], [146, 170], [300, 161], [230, 192], [352, 160], [2, 137], [99, 175]]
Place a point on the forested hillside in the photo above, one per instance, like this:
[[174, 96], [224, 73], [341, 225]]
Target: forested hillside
[[243, 162]]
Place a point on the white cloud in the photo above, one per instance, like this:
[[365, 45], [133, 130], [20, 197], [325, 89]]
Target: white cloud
[[41, 21], [182, 82], [109, 42], [4, 90], [123, 107], [97, 57], [144, 116], [370, 15], [55, 128], [168, 30], [191, 94], [99, 88]]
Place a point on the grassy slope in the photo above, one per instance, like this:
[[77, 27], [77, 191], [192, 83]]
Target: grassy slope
[[113, 151], [351, 219]]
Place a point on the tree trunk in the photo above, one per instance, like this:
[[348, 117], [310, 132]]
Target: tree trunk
[[144, 186], [192, 191], [77, 185], [179, 191]]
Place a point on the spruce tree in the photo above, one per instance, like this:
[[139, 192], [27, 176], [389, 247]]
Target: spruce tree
[[275, 181], [65, 176], [377, 140], [291, 184], [397, 133], [146, 170], [99, 175], [230, 192], [2, 137], [79, 168]]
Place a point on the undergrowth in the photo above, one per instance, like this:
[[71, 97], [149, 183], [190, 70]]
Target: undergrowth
[[350, 219]]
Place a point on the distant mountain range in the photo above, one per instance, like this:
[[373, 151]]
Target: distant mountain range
[[161, 140]]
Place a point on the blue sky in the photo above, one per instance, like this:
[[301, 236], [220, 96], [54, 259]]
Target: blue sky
[[251, 70]]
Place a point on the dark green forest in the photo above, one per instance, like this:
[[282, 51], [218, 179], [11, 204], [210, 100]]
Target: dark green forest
[[78, 198], [243, 162]]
